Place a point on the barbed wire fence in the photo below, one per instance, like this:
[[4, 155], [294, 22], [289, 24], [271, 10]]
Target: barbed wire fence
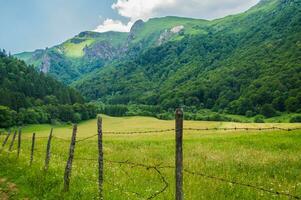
[[155, 168]]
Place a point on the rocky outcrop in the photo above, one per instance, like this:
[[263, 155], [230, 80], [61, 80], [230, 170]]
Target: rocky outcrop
[[137, 26], [167, 34], [45, 64], [102, 50]]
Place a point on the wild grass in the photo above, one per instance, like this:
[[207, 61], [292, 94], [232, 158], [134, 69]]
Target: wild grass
[[265, 159], [76, 50]]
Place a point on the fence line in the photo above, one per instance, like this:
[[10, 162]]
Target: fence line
[[157, 168], [201, 129], [82, 139]]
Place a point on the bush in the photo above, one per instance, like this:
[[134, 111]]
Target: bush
[[259, 119], [165, 116], [54, 122], [115, 110], [77, 118], [268, 111], [296, 119], [6, 117], [249, 113], [292, 104]]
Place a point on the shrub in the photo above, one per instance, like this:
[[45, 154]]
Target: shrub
[[6, 117], [76, 118], [291, 104], [296, 119], [259, 119], [165, 116], [268, 111], [249, 113]]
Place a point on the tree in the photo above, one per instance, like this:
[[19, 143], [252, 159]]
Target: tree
[[259, 119], [268, 111], [291, 104], [6, 117]]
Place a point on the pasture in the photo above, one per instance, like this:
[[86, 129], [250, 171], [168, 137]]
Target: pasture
[[236, 164]]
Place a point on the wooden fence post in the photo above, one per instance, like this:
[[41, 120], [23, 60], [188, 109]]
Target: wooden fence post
[[19, 142], [70, 159], [32, 148], [12, 141], [47, 159], [179, 154], [100, 157], [6, 139]]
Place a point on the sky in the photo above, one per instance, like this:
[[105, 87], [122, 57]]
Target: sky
[[26, 25]]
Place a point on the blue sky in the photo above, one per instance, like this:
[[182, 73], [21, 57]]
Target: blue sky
[[27, 25]]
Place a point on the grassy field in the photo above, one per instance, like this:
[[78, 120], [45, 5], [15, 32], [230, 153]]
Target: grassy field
[[220, 159]]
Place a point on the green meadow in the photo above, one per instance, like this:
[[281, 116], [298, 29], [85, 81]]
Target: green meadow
[[218, 164]]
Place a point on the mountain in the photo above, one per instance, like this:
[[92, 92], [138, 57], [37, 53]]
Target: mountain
[[88, 51], [77, 56], [248, 63]]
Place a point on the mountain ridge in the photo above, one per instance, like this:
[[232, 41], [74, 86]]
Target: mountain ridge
[[222, 64], [102, 47]]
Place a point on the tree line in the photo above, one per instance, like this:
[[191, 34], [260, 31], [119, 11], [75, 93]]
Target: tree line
[[31, 97]]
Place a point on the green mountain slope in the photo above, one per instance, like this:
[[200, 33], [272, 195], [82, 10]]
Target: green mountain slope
[[247, 63], [77, 56], [88, 51]]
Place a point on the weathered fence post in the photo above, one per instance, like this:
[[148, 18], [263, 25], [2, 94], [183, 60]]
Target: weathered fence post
[[19, 142], [32, 148], [47, 159], [100, 157], [179, 154], [70, 159], [12, 141], [6, 139]]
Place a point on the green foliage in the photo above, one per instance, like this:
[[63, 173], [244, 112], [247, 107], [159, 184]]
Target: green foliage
[[259, 119], [29, 97], [268, 111], [296, 119], [6, 117], [21, 86], [292, 104], [115, 110], [245, 63]]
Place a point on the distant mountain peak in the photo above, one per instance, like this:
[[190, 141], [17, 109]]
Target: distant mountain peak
[[137, 25]]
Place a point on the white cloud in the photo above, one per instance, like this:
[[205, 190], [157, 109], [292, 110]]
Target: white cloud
[[142, 9], [114, 25]]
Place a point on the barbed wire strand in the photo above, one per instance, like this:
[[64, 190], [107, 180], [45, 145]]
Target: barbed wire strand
[[157, 167]]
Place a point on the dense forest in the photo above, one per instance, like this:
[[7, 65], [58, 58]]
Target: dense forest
[[31, 97], [246, 64]]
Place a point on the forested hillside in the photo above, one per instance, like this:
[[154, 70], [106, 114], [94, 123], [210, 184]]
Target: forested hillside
[[245, 64], [28, 96]]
